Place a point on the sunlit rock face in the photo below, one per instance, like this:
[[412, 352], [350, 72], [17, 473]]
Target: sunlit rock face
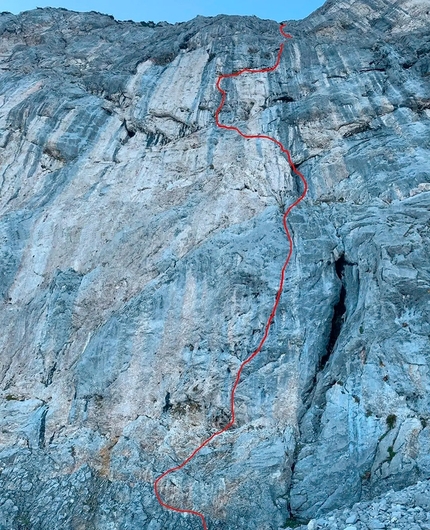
[[140, 254]]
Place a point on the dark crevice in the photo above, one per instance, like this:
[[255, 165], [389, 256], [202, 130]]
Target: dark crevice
[[167, 404], [339, 311], [153, 139], [270, 101], [42, 428], [340, 267], [130, 133], [50, 375], [373, 70], [186, 130], [284, 99]]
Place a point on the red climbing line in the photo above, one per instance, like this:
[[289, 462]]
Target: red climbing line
[[281, 281]]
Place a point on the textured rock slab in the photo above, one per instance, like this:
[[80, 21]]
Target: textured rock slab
[[140, 255]]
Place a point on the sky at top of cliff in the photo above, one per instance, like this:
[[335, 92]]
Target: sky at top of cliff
[[174, 10]]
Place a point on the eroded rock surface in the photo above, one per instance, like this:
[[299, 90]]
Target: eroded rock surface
[[140, 255], [406, 509]]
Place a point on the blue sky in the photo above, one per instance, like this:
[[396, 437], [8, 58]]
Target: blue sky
[[175, 10]]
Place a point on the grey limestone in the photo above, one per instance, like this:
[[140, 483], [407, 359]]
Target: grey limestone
[[140, 254]]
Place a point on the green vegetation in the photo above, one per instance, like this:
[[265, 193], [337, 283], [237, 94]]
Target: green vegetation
[[391, 453], [391, 421]]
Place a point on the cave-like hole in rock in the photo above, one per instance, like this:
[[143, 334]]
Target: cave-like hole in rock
[[339, 311]]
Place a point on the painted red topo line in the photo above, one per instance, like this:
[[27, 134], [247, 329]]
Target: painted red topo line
[[281, 282]]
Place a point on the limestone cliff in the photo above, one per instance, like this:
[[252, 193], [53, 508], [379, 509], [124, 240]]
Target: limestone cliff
[[140, 253]]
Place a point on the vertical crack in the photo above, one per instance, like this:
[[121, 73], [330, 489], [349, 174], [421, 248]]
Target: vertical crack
[[42, 428], [339, 311], [167, 403], [50, 375]]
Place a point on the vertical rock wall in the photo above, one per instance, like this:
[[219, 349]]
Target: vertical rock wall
[[140, 253]]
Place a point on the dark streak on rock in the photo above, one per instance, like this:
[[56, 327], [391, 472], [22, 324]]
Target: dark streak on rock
[[167, 404], [339, 311], [50, 374], [42, 428]]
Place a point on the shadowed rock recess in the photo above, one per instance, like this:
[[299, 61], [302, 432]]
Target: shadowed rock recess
[[140, 252]]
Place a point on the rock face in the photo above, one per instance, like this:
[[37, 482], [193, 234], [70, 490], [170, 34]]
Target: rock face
[[140, 255], [408, 509]]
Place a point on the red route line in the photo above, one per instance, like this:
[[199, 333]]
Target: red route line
[[281, 282]]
